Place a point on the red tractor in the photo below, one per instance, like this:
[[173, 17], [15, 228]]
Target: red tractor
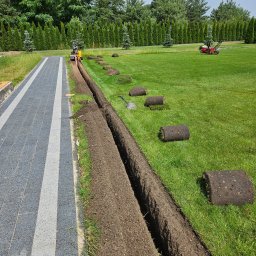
[[210, 49]]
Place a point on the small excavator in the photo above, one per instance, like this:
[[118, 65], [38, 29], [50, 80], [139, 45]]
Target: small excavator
[[209, 49], [76, 54]]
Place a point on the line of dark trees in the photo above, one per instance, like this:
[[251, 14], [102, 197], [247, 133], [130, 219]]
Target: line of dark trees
[[53, 24], [118, 11], [144, 33]]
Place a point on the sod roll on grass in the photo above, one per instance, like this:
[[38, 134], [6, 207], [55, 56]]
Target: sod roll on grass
[[137, 91], [174, 133], [155, 100], [229, 187], [113, 72]]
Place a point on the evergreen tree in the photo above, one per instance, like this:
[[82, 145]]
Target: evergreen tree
[[196, 10], [155, 34], [126, 39], [185, 33], [78, 42], [150, 32], [136, 34], [209, 39], [112, 35], [63, 36], [250, 34], [3, 37], [28, 43], [229, 10], [168, 39]]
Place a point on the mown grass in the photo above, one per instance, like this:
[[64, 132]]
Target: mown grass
[[216, 97]]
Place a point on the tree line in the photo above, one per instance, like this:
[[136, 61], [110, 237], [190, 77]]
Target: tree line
[[96, 35], [118, 11]]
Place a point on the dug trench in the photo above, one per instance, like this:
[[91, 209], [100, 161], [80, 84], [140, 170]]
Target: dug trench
[[135, 211]]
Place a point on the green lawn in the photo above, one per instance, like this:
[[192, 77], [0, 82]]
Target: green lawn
[[216, 97], [16, 66]]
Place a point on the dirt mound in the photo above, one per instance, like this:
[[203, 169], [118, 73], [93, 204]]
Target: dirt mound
[[81, 86], [112, 204]]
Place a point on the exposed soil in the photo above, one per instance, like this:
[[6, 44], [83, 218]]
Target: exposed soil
[[167, 222], [112, 203]]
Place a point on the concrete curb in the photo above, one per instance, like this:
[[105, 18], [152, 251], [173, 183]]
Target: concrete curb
[[5, 91]]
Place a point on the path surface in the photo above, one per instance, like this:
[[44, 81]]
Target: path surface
[[37, 201]]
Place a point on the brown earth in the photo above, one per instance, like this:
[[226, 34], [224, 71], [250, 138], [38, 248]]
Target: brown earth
[[112, 203], [169, 223]]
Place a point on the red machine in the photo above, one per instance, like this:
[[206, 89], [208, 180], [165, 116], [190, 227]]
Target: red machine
[[210, 50]]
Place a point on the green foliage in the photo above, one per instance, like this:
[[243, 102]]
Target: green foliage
[[168, 39], [110, 35], [28, 43], [169, 9], [250, 34], [209, 39], [228, 11], [196, 10], [126, 39], [78, 42]]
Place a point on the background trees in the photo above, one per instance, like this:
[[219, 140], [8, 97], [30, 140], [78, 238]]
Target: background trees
[[53, 24], [196, 10], [229, 10]]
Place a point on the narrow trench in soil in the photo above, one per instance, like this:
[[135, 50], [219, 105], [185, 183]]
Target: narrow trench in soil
[[137, 192]]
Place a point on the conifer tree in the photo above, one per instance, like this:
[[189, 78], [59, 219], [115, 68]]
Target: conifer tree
[[159, 34], [168, 39], [16, 37], [136, 34], [3, 38], [185, 33], [217, 33], [250, 34], [209, 39], [28, 43], [126, 39], [154, 34], [145, 25], [112, 35], [9, 38], [150, 32], [63, 36], [41, 39]]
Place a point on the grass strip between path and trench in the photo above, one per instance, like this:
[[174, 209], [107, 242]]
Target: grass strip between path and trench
[[215, 97], [92, 232]]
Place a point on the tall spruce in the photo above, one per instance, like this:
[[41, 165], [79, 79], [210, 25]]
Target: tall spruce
[[126, 39], [168, 39], [28, 43]]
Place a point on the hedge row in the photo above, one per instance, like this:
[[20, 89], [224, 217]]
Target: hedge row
[[250, 37], [110, 35]]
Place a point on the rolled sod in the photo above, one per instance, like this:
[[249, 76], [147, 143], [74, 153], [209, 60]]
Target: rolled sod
[[229, 187], [107, 67], [156, 100], [113, 72], [137, 91], [174, 133]]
